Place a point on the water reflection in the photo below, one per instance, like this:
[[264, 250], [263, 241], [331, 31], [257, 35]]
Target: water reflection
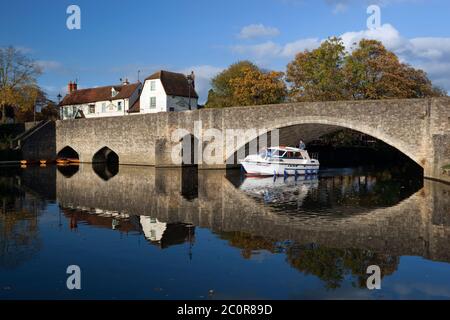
[[331, 265], [106, 170], [332, 195], [156, 232], [19, 232], [68, 170], [331, 227]]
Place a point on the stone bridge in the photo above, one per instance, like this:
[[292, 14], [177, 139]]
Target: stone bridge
[[419, 128]]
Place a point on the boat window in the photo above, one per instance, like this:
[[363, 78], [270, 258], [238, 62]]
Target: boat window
[[263, 153], [293, 155], [278, 153]]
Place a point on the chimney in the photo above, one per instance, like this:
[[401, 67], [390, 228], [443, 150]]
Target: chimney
[[193, 79], [72, 87], [125, 82]]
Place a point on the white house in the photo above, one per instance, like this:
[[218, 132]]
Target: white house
[[106, 101], [168, 91], [161, 92]]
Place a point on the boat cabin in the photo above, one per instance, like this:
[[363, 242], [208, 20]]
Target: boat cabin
[[285, 153]]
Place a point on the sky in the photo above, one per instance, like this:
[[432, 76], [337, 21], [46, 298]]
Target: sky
[[118, 38]]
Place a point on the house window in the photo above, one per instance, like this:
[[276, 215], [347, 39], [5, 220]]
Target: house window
[[152, 102], [152, 85], [119, 106], [103, 107], [92, 108]]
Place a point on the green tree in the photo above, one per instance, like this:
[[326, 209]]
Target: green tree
[[317, 75], [243, 83]]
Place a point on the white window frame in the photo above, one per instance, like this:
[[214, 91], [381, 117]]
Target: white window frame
[[153, 85]]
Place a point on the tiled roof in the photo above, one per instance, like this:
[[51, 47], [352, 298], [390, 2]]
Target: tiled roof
[[99, 94], [136, 107], [175, 84]]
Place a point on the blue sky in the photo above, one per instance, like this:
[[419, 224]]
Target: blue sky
[[117, 38]]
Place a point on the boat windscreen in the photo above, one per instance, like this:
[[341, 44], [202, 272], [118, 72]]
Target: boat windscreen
[[277, 153], [263, 153]]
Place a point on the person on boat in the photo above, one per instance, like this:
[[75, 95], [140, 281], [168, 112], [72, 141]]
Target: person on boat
[[301, 145]]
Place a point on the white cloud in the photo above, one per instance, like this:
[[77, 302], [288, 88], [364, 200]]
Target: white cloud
[[48, 65], [292, 48], [386, 33], [257, 31]]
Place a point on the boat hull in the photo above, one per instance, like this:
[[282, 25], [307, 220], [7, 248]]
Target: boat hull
[[270, 169]]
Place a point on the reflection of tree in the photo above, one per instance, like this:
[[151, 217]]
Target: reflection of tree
[[19, 238], [19, 233], [249, 244], [332, 265]]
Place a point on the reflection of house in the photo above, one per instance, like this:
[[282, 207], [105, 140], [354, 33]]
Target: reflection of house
[[165, 235], [158, 233], [152, 228], [162, 91]]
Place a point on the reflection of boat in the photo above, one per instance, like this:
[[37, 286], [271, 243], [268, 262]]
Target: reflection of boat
[[281, 161], [273, 190]]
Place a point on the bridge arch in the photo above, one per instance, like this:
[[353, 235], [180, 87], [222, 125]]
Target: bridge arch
[[324, 125], [68, 153], [105, 155]]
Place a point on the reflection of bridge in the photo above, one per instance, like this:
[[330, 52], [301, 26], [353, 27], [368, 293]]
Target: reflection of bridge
[[418, 128], [419, 225]]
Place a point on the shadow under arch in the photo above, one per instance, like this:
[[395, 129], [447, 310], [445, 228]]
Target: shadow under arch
[[68, 170], [68, 153], [309, 129], [105, 163]]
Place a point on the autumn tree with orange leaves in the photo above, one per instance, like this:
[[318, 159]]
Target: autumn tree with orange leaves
[[368, 72], [257, 87], [243, 84]]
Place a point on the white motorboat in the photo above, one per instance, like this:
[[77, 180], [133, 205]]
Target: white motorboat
[[280, 161]]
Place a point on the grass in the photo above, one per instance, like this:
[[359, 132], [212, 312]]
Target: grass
[[446, 167]]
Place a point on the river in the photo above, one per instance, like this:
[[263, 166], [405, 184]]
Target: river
[[147, 233]]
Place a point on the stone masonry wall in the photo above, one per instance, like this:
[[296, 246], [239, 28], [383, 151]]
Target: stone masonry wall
[[417, 127]]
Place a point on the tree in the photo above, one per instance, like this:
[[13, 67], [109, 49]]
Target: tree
[[243, 83], [317, 75], [256, 87], [18, 79], [370, 71], [49, 110], [373, 72]]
